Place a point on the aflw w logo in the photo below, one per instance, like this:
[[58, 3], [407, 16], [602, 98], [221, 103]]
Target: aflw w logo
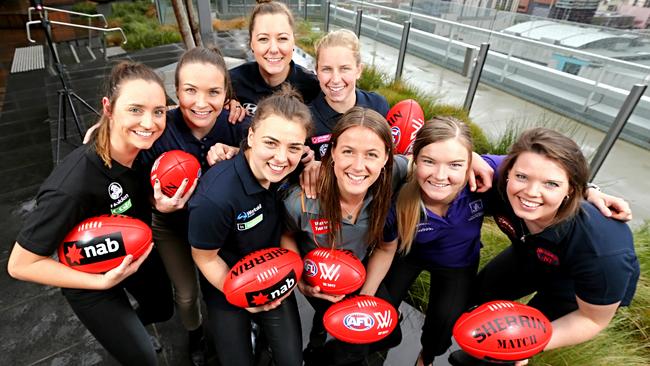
[[384, 319], [329, 273]]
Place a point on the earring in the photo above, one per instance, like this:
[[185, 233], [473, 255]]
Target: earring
[[566, 198]]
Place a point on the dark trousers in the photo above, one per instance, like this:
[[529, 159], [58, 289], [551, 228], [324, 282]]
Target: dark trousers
[[509, 276], [111, 319], [231, 329], [449, 296]]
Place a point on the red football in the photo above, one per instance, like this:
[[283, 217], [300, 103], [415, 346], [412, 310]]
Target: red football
[[503, 331], [99, 244], [262, 277], [406, 118], [171, 168], [335, 271], [360, 319]]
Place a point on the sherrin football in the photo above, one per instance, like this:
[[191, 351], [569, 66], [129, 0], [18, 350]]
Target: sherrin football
[[360, 319], [171, 168], [503, 331], [406, 118], [262, 277], [335, 271], [99, 244]]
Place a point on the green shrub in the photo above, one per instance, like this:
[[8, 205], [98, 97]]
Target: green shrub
[[87, 7], [372, 79], [140, 24]]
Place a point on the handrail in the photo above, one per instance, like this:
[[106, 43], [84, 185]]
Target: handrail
[[99, 15], [105, 30], [626, 64]]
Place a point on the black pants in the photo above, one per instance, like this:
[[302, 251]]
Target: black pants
[[449, 293], [231, 330], [510, 276], [111, 319], [342, 353]]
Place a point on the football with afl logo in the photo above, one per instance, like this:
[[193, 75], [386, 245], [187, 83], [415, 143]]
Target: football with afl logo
[[99, 244], [503, 331], [262, 277], [360, 319], [171, 168], [335, 271], [406, 118]]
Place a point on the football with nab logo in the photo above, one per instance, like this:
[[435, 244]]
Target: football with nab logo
[[99, 244], [503, 331], [171, 168], [335, 271], [360, 319], [262, 277]]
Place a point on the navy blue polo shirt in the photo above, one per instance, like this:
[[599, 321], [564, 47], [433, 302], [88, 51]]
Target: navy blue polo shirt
[[452, 241], [178, 136], [232, 212], [325, 117], [250, 87], [589, 255]]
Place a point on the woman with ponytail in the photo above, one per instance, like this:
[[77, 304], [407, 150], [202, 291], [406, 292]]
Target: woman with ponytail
[[102, 177]]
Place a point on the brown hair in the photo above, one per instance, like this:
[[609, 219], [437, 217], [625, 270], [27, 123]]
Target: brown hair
[[286, 103], [409, 202], [268, 7], [381, 190], [339, 38], [562, 150], [122, 72], [209, 56]]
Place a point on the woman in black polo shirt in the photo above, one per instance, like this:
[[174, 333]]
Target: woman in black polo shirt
[[272, 42], [98, 178], [235, 211]]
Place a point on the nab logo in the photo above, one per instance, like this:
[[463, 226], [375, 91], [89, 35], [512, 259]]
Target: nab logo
[[311, 269], [274, 292], [94, 250], [396, 133], [358, 322]]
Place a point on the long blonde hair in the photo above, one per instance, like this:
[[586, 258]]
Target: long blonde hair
[[124, 71], [409, 202]]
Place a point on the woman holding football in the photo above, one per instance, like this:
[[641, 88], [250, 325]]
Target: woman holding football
[[580, 264], [103, 177], [235, 211]]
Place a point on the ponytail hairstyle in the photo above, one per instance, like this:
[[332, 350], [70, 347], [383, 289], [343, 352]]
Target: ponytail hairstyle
[[409, 206], [563, 151], [381, 190], [208, 56], [264, 7], [285, 103], [122, 72]]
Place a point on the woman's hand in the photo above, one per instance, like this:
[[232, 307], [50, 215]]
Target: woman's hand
[[125, 269], [220, 152], [480, 174], [610, 206], [314, 291], [309, 179], [237, 112], [166, 204]]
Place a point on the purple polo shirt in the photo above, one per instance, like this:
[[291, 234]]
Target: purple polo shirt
[[452, 241]]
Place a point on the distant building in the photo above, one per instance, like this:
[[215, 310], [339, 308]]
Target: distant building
[[574, 10]]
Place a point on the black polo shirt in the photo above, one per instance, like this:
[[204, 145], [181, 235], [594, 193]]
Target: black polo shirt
[[232, 212], [250, 87], [80, 187], [325, 117], [589, 255]]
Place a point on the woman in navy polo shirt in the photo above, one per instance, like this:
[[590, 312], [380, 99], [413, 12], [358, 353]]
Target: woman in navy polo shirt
[[338, 67], [94, 179], [199, 126], [235, 211], [272, 42], [581, 265], [355, 186]]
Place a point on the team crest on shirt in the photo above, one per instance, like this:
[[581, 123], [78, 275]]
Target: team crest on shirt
[[323, 149], [547, 257], [250, 108], [121, 201], [476, 209], [319, 226], [249, 218]]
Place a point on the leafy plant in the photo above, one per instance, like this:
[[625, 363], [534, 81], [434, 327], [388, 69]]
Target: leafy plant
[[87, 7], [140, 24]]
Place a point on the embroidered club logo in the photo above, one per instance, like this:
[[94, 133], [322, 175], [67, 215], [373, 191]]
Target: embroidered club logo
[[311, 269], [476, 206], [396, 133], [323, 149], [358, 322], [115, 190], [505, 226], [547, 257]]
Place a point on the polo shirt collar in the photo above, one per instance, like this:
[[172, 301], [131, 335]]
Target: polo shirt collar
[[182, 127], [312, 206], [453, 207], [249, 182], [557, 232], [326, 111], [260, 85], [116, 168]]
